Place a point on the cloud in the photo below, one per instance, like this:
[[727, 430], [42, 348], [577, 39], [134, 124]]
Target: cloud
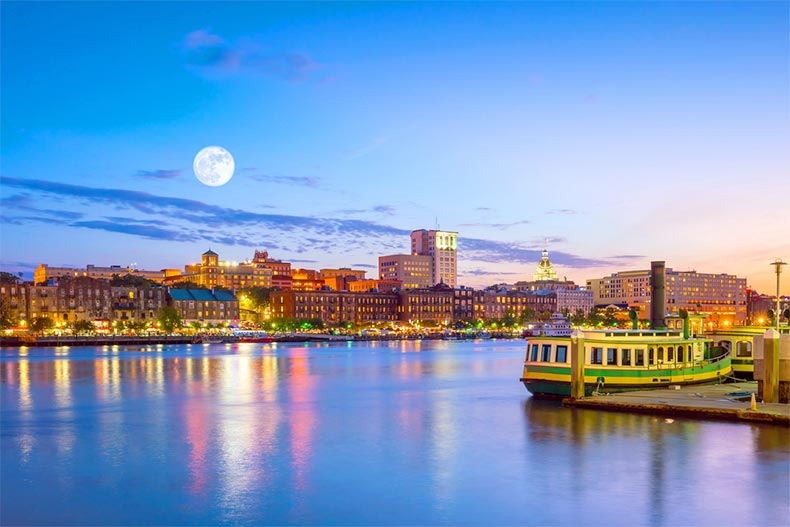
[[287, 180], [369, 148], [498, 252], [481, 272], [159, 174], [500, 226], [561, 211], [211, 55], [144, 231], [385, 209], [366, 266]]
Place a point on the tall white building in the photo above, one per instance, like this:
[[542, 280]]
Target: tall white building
[[442, 247]]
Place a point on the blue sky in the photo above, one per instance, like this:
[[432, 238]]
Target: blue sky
[[622, 132]]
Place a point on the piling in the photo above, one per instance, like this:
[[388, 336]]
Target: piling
[[771, 365], [577, 364]]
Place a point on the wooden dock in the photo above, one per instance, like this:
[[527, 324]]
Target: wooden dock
[[730, 401]]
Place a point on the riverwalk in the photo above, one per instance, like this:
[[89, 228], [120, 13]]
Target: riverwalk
[[729, 401]]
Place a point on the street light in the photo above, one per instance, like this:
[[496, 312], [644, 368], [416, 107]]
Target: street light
[[778, 264]]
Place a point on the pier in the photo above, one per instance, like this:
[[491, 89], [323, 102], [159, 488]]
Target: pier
[[728, 401]]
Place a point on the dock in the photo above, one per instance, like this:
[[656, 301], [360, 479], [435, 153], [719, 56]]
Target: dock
[[728, 401]]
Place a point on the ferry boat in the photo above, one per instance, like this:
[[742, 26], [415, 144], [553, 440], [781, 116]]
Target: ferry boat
[[623, 360], [739, 340], [556, 326]]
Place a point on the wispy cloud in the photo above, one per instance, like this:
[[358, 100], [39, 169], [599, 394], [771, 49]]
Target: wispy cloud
[[367, 149], [212, 55], [499, 252], [561, 211], [500, 226], [385, 209], [365, 266], [159, 174], [482, 272], [287, 180]]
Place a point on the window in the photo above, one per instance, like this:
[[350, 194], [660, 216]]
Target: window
[[626, 358], [545, 353], [660, 354], [680, 354], [596, 356], [639, 359], [534, 354], [670, 354], [611, 356], [562, 353], [744, 349], [651, 356]]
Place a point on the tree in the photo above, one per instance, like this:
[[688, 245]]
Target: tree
[[41, 324], [577, 319], [81, 327], [528, 315], [130, 280], [169, 319], [7, 318], [8, 278], [609, 320], [508, 320], [595, 317], [187, 285]]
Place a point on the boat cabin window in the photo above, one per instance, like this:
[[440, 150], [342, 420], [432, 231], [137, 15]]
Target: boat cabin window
[[626, 357], [534, 353], [660, 354], [744, 348], [596, 356], [670, 354], [681, 358], [611, 356], [545, 353], [562, 353], [651, 356], [639, 357]]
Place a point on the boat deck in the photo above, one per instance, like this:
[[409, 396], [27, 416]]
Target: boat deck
[[730, 401]]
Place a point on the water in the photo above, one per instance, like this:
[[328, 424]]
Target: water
[[398, 433]]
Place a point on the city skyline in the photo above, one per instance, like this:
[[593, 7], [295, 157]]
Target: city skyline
[[619, 132]]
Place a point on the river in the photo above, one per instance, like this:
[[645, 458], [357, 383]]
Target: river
[[357, 433]]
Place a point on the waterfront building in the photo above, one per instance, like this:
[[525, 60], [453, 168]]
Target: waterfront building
[[44, 273], [205, 307], [212, 272], [414, 271], [464, 304], [281, 271], [572, 300], [721, 296], [442, 248], [362, 286], [498, 303], [335, 307], [136, 304], [13, 297], [544, 277], [338, 279], [43, 302], [434, 303], [306, 280]]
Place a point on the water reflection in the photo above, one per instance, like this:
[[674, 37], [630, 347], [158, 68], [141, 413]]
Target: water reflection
[[351, 434]]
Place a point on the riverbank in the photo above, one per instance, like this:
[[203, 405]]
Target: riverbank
[[111, 340]]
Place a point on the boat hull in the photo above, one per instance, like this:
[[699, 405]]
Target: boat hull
[[555, 380]]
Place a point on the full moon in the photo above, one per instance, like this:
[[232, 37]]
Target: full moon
[[214, 166]]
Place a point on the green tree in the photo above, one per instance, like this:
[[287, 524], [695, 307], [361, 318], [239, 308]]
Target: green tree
[[187, 285], [609, 320], [8, 278], [41, 324], [130, 280], [7, 318], [508, 320], [577, 319], [528, 315], [169, 319], [82, 327]]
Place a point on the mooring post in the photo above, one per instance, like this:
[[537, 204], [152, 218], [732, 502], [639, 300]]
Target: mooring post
[[771, 362], [577, 364]]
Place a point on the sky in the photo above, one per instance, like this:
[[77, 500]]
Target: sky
[[612, 133]]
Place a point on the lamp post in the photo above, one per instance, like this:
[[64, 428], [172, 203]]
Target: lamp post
[[778, 264]]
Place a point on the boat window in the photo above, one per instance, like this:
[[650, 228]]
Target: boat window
[[639, 358], [651, 356], [670, 354], [596, 356], [680, 354], [545, 353], [534, 355], [660, 354], [611, 356], [562, 353], [744, 348], [626, 358]]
